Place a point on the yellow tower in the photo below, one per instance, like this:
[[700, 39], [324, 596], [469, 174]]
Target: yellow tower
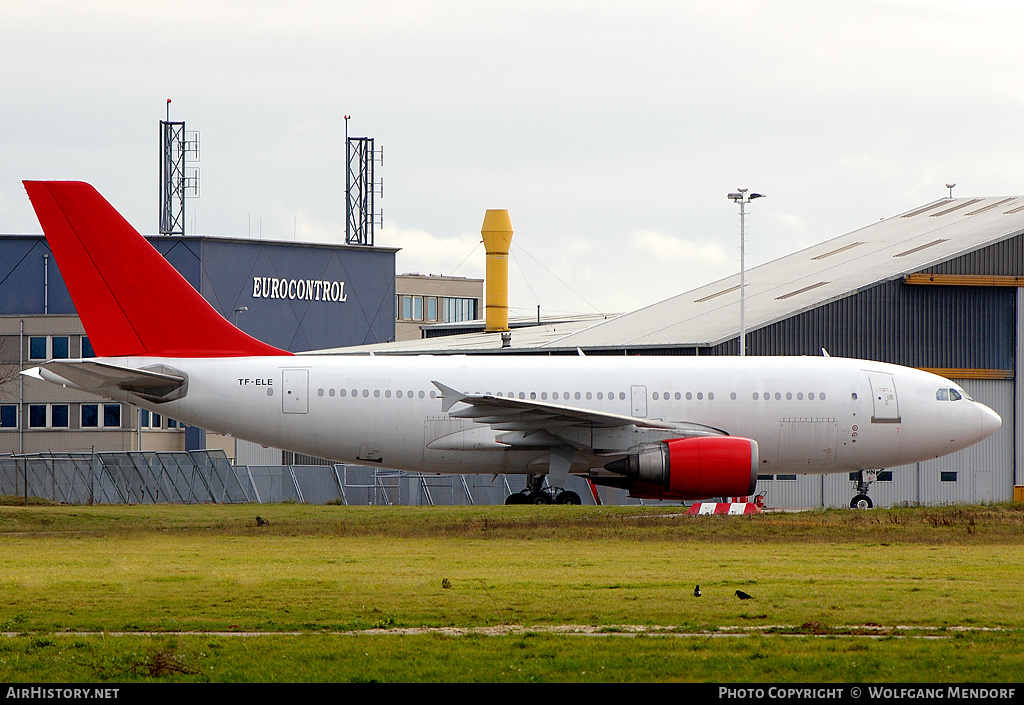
[[497, 232]]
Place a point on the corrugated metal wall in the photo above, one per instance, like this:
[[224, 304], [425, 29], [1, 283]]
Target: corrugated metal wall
[[1004, 258], [912, 325], [969, 327]]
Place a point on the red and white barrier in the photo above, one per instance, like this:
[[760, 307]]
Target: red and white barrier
[[733, 508]]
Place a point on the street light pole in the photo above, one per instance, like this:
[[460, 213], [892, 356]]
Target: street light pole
[[740, 196]]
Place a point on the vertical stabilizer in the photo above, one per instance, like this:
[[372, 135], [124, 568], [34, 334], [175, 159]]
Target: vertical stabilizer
[[112, 274]]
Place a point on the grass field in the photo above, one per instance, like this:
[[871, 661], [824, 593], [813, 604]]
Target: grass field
[[200, 593]]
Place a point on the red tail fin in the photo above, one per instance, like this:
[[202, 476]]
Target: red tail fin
[[111, 271]]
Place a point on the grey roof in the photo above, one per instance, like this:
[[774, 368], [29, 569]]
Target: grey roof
[[533, 336], [886, 250], [709, 315]]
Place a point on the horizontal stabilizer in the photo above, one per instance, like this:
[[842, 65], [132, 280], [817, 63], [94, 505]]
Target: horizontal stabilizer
[[158, 383]]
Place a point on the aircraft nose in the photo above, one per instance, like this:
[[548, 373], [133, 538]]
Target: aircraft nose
[[990, 421]]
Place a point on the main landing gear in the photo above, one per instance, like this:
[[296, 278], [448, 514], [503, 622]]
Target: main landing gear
[[864, 480], [536, 493]]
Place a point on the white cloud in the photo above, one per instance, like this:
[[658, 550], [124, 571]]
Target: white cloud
[[425, 253], [608, 129]]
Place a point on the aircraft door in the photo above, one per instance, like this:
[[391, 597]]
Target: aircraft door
[[295, 388], [638, 393], [886, 407]]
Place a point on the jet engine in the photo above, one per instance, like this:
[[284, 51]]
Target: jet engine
[[691, 468]]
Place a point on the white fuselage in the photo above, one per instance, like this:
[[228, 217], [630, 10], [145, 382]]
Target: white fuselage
[[807, 414]]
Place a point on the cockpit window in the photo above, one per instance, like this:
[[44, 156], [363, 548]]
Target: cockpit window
[[954, 395], [942, 395], [950, 395]]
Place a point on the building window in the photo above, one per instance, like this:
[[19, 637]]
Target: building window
[[458, 309], [417, 308], [111, 415], [37, 416], [149, 419], [37, 348], [431, 308], [790, 478], [60, 347], [406, 310], [90, 415], [8, 416], [59, 415], [87, 350], [947, 476]]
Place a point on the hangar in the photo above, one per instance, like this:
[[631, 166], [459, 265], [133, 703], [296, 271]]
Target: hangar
[[937, 287]]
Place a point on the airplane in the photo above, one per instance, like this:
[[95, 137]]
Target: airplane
[[665, 428]]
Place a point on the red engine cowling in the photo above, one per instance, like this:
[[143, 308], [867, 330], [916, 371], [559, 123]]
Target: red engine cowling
[[691, 468]]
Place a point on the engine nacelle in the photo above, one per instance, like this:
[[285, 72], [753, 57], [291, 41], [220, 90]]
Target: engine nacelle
[[691, 468]]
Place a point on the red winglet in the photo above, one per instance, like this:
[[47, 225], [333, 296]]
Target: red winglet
[[111, 272]]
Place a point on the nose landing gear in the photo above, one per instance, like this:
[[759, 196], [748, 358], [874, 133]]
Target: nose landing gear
[[864, 480]]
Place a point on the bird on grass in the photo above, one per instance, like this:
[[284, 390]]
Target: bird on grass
[[260, 521], [696, 591], [743, 596]]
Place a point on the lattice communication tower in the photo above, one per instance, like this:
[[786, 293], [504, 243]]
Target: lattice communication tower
[[177, 181], [361, 189]]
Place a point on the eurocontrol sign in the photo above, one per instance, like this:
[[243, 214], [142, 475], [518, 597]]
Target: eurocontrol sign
[[298, 289]]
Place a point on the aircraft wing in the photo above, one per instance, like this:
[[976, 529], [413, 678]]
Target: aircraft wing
[[527, 416], [159, 383]]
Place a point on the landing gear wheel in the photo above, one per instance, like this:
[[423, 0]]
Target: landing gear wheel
[[861, 501], [568, 497], [539, 497], [516, 498]]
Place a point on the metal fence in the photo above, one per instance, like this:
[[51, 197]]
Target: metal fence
[[193, 477], [208, 477]]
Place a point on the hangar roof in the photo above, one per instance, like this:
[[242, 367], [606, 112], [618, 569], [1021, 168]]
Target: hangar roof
[[532, 337], [886, 250], [709, 315]]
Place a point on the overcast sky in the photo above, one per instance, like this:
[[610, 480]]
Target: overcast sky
[[612, 131]]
